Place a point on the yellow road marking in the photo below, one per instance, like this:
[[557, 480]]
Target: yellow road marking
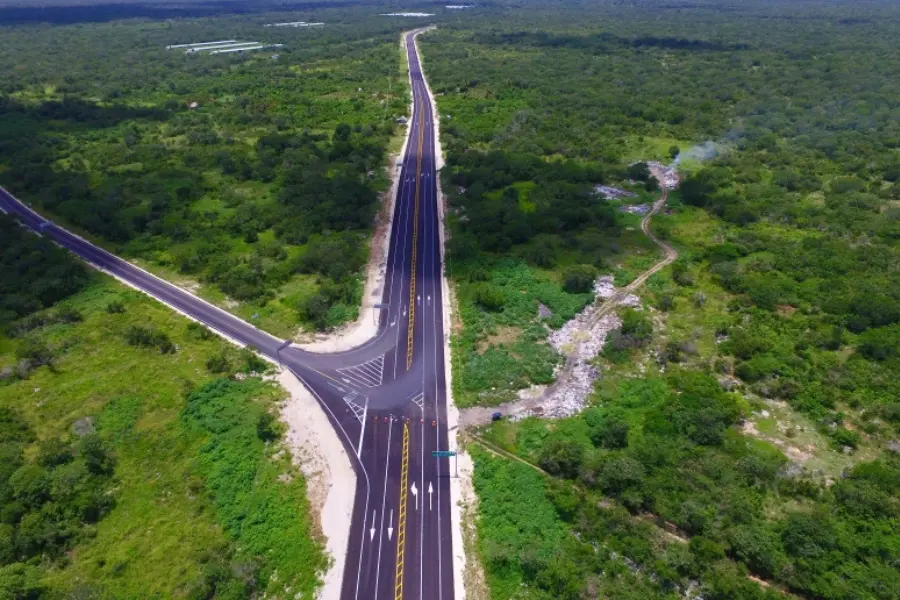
[[415, 242], [401, 521]]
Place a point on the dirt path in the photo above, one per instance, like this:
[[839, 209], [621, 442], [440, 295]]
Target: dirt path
[[532, 403]]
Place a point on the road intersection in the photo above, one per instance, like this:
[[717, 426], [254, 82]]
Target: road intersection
[[387, 399]]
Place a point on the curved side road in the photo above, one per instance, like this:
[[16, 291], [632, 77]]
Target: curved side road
[[386, 399]]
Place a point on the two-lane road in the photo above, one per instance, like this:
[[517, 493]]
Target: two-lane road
[[386, 399]]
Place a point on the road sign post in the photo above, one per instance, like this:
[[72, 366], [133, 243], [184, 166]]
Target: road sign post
[[447, 454]]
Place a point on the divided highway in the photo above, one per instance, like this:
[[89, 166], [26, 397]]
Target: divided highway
[[387, 399]]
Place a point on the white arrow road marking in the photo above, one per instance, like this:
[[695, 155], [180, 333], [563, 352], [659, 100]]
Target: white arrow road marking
[[415, 493], [391, 525], [429, 300], [404, 310], [372, 531], [430, 491], [419, 299]]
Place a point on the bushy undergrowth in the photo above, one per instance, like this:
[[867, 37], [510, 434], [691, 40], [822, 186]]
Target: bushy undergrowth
[[260, 508], [491, 373]]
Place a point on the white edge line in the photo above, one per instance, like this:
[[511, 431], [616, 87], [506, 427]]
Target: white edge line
[[361, 468]]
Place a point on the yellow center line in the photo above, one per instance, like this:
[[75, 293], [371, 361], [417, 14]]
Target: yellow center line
[[415, 243], [401, 521]]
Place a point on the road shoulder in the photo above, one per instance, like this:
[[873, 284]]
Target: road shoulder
[[463, 570]]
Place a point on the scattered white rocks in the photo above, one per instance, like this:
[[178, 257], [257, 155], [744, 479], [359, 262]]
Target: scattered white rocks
[[604, 288], [544, 312], [580, 340], [407, 14], [613, 193], [636, 209], [631, 301], [665, 174]]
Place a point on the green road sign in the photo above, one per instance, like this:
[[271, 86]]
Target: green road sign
[[443, 453]]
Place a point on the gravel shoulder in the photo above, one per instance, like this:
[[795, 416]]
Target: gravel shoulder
[[330, 479]]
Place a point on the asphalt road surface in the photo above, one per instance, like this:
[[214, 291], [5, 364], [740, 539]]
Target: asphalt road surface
[[386, 399]]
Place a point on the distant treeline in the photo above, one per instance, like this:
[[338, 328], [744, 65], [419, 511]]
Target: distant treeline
[[66, 12]]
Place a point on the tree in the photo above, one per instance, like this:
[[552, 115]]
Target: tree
[[562, 457], [489, 297], [95, 455], [267, 427], [610, 431], [579, 279], [674, 151]]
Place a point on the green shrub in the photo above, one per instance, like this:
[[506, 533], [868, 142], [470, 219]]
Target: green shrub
[[489, 297], [149, 337], [579, 279]]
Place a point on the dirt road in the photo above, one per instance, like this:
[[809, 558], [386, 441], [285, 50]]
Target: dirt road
[[479, 415]]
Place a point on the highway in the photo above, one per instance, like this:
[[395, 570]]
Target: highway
[[386, 399]]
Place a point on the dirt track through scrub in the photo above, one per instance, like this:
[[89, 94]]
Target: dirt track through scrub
[[479, 415]]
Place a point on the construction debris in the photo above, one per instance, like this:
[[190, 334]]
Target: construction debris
[[665, 174], [613, 193], [637, 209]]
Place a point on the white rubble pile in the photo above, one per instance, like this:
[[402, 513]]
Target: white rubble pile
[[581, 339], [604, 288], [669, 174], [613, 193], [631, 301], [636, 209]]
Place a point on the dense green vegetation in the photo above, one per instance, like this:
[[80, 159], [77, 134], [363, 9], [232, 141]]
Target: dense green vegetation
[[240, 172], [36, 273], [665, 446], [750, 406], [128, 472]]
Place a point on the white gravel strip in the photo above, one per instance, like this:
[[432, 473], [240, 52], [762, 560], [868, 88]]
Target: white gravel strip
[[330, 480]]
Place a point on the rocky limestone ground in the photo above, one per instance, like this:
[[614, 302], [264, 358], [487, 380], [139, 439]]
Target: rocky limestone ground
[[580, 340]]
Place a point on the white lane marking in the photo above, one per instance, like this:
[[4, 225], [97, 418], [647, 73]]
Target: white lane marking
[[358, 411], [362, 429], [433, 233], [396, 233], [360, 375], [387, 462], [337, 387], [362, 469], [370, 368], [403, 267], [425, 327]]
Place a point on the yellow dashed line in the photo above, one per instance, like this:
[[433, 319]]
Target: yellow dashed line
[[415, 243], [401, 521]]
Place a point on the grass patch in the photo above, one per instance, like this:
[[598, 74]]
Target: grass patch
[[167, 535], [504, 349]]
